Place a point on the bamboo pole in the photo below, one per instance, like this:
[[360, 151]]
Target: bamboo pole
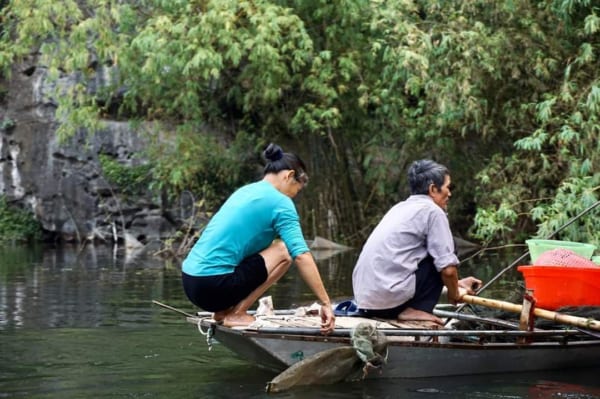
[[172, 308], [581, 322]]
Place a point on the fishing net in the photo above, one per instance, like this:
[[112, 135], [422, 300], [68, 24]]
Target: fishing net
[[370, 345], [563, 257]]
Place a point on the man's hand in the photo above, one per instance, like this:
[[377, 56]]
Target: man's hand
[[468, 285], [327, 319]]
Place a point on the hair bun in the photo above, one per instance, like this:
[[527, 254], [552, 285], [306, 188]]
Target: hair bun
[[273, 152]]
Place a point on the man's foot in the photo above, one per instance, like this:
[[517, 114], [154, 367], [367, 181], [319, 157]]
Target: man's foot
[[414, 314], [238, 320]]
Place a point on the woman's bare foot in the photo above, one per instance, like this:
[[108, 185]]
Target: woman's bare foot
[[221, 315], [218, 316], [238, 320], [414, 314]]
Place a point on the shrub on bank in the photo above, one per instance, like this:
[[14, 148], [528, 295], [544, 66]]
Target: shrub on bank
[[17, 224]]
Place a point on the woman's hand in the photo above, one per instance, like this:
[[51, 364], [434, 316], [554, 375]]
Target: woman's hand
[[327, 319], [309, 272]]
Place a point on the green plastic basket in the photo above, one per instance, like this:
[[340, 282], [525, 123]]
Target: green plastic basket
[[537, 247]]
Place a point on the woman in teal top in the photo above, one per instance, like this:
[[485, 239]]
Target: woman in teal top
[[237, 257]]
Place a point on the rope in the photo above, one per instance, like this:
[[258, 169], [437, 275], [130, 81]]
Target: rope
[[210, 331]]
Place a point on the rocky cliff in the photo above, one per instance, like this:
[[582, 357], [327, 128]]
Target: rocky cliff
[[62, 182]]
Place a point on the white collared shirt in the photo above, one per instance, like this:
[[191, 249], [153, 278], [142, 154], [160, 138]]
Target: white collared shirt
[[384, 275]]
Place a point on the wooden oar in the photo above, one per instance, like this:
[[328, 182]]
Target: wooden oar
[[561, 318], [368, 350], [326, 367]]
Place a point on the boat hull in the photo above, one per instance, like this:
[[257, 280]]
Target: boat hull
[[410, 357]]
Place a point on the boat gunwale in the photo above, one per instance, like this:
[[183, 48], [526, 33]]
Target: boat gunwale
[[434, 344], [563, 338]]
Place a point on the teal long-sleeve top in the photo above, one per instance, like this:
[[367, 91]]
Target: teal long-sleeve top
[[248, 222]]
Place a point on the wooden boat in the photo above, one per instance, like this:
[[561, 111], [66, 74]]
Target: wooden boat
[[277, 342]]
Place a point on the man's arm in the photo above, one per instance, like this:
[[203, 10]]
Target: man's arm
[[450, 280]]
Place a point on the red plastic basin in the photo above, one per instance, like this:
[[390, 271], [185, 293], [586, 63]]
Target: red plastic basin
[[558, 286]]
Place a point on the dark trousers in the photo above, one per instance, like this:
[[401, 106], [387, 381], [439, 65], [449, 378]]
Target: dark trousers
[[428, 288]]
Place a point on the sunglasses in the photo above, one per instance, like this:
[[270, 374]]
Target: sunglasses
[[301, 178]]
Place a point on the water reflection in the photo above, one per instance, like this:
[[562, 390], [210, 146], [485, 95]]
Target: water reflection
[[98, 286], [64, 287]]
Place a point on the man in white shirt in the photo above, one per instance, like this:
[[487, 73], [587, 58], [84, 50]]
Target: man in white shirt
[[410, 255]]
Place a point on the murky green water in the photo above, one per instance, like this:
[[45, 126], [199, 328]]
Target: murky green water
[[80, 323]]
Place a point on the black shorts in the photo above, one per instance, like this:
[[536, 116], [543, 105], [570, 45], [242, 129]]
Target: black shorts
[[216, 293]]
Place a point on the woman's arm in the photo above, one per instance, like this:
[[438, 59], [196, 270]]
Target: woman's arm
[[310, 274]]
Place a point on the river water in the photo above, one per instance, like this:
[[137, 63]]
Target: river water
[[80, 323]]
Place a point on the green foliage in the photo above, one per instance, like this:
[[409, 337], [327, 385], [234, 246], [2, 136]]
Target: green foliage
[[573, 196], [554, 169], [506, 93], [17, 224], [197, 162], [129, 180], [7, 124]]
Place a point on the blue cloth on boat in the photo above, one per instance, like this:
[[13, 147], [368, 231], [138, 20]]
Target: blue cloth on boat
[[347, 308]]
